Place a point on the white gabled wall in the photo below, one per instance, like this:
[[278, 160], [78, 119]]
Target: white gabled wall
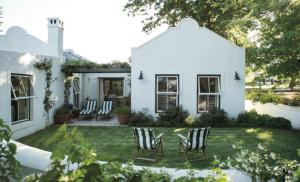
[[18, 52], [188, 50]]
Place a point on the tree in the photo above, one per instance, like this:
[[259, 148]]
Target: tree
[[279, 51], [230, 19]]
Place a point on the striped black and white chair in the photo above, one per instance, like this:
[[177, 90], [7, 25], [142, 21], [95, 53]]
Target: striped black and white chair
[[106, 109], [145, 140], [89, 109], [195, 141]]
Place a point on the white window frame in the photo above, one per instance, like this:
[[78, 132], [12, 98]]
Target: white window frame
[[75, 91], [158, 93], [23, 97], [199, 93]]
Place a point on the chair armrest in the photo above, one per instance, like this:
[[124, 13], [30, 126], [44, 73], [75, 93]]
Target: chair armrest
[[182, 137], [159, 136]]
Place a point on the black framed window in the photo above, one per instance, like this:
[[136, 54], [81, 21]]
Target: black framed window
[[208, 92], [113, 87], [22, 93], [166, 92]]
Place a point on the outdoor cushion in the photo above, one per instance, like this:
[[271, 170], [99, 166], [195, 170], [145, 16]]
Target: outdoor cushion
[[106, 108], [196, 138], [90, 107], [145, 138]]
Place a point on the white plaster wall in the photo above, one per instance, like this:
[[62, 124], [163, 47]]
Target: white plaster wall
[[188, 50], [279, 110], [90, 84], [22, 63]]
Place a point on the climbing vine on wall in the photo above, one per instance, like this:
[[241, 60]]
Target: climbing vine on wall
[[46, 65], [68, 83]]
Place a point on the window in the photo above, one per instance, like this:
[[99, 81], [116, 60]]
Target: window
[[113, 87], [167, 89], [208, 93], [22, 93], [76, 93]]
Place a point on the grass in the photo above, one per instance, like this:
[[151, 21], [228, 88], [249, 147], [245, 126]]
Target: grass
[[116, 143]]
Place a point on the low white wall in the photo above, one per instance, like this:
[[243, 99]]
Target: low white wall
[[40, 159], [279, 110]]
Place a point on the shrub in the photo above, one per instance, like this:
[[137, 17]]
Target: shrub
[[214, 117], [250, 118], [261, 164], [122, 110], [62, 110], [295, 101], [140, 119], [265, 96], [9, 166], [253, 119], [174, 115]]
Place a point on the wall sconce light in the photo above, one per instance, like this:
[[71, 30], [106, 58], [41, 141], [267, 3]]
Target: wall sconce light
[[141, 76], [236, 76]]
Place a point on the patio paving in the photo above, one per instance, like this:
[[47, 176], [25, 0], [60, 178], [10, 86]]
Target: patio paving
[[92, 122]]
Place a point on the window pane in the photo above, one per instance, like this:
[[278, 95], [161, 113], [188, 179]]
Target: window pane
[[27, 86], [203, 84], [172, 84], [202, 103], [23, 109], [162, 84], [172, 100], [162, 102], [213, 102], [76, 86], [14, 110], [214, 85], [17, 86]]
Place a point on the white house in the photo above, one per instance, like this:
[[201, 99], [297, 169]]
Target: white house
[[21, 85], [190, 66]]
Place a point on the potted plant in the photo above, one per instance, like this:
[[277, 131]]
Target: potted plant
[[62, 115], [123, 114]]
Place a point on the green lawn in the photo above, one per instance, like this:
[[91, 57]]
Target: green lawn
[[116, 143]]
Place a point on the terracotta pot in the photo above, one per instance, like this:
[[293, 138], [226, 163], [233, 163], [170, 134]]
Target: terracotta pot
[[123, 119], [62, 118]]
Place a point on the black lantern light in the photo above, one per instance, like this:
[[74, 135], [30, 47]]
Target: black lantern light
[[236, 76], [141, 76]]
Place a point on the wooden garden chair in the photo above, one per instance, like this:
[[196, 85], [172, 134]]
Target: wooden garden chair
[[146, 141], [196, 141]]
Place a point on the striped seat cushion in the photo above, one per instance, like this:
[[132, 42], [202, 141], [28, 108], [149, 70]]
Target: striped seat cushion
[[90, 107], [196, 138], [145, 138], [106, 108]]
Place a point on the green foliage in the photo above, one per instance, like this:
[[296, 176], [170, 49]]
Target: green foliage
[[140, 119], [265, 96], [174, 115], [295, 101], [125, 101], [261, 163], [71, 65], [252, 119], [214, 117], [62, 110], [67, 85], [122, 110], [46, 65], [9, 166], [279, 41]]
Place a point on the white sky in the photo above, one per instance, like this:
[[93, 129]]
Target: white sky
[[96, 29]]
